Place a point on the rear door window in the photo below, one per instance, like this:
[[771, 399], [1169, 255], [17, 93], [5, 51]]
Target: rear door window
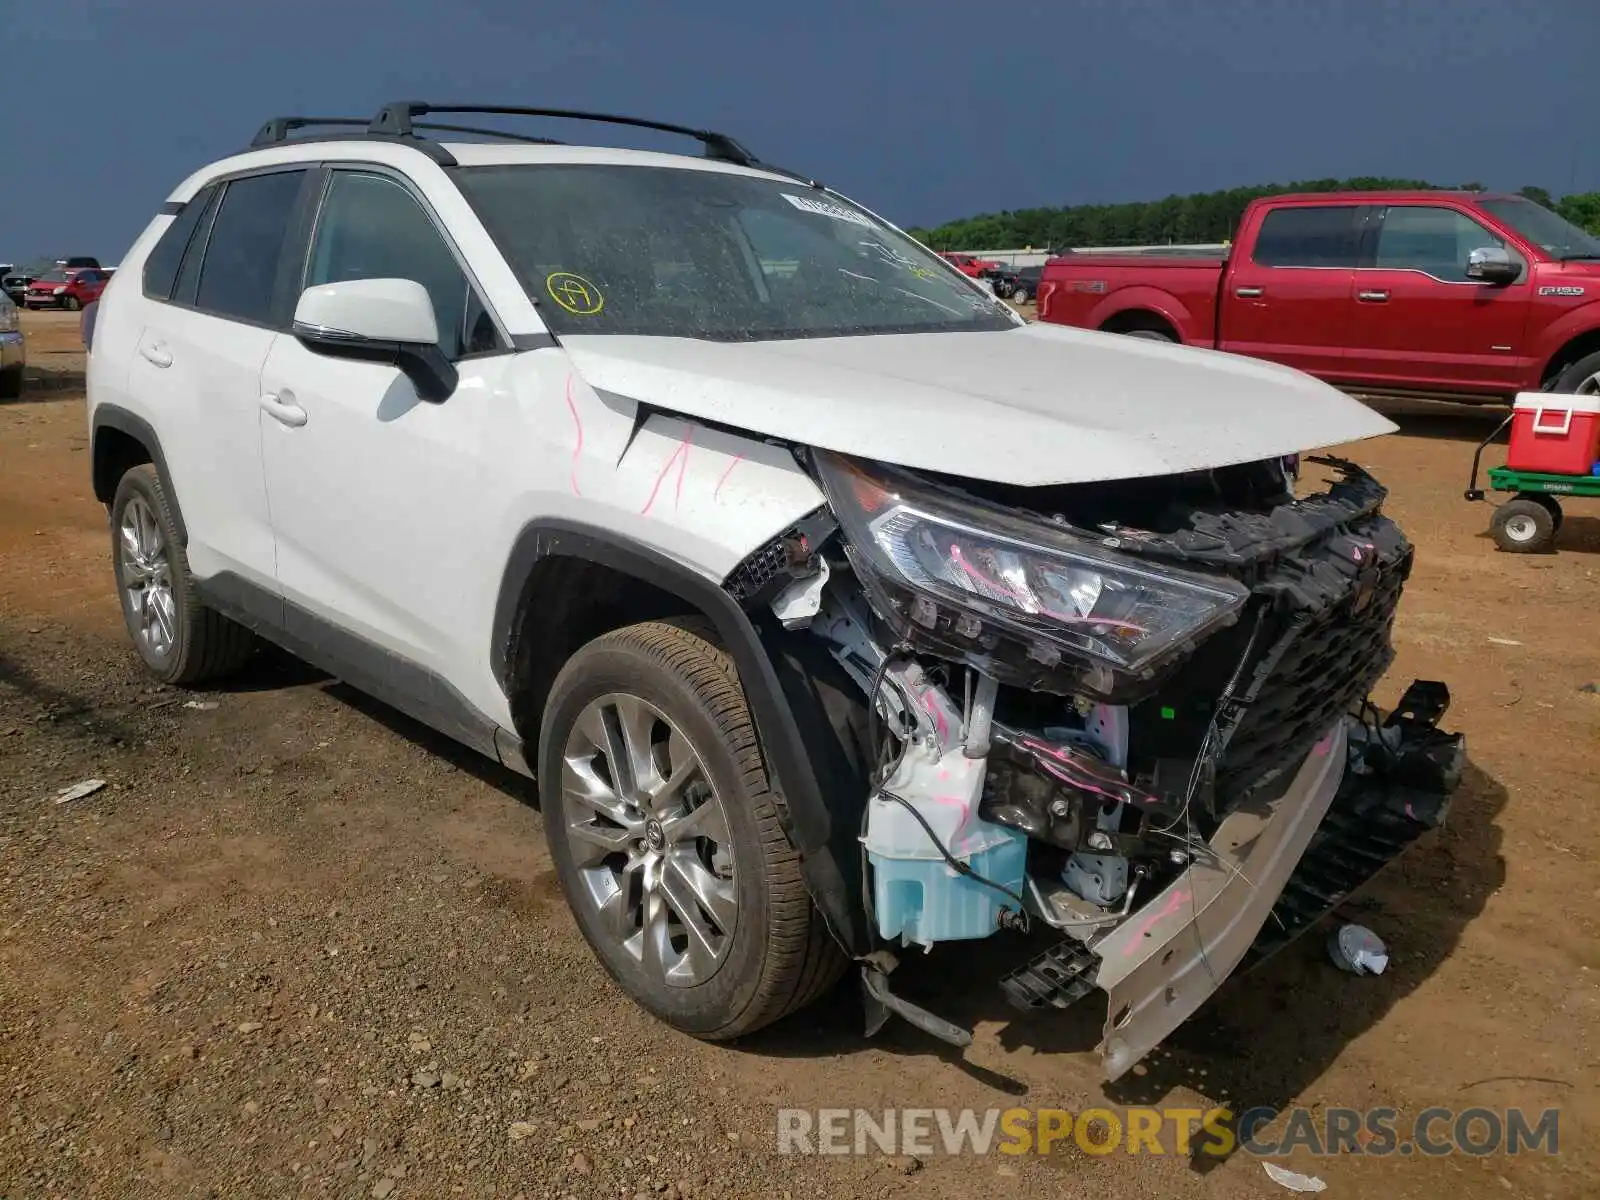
[[1314, 235], [246, 243]]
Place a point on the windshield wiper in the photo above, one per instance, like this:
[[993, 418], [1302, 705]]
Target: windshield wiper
[[1577, 257]]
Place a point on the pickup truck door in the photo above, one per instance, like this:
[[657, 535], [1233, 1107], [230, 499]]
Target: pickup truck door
[[1286, 297], [1419, 322]]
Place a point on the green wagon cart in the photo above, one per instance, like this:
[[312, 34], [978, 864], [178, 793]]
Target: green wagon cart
[[1528, 522]]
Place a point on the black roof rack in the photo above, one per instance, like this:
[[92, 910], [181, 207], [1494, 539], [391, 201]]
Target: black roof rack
[[399, 120]]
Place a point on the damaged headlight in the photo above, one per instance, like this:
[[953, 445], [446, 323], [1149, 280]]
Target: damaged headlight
[[1060, 592]]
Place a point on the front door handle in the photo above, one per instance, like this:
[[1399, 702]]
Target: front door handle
[[156, 354], [1372, 297], [1248, 293], [280, 406]]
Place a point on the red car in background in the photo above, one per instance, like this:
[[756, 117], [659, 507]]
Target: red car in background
[[968, 264], [70, 290], [1442, 295]]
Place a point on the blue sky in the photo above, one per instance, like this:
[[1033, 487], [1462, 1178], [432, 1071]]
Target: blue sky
[[924, 111]]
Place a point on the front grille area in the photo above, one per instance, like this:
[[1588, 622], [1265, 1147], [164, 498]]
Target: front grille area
[[1324, 645]]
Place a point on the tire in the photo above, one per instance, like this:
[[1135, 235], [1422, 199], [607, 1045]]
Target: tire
[[1550, 503], [11, 384], [1151, 335], [179, 638], [764, 950], [1523, 526], [70, 303], [1021, 295], [1582, 377]]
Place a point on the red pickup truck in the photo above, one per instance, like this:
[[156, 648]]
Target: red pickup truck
[[1441, 295]]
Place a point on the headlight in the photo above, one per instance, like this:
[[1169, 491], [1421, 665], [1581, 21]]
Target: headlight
[[60, 290], [958, 563]]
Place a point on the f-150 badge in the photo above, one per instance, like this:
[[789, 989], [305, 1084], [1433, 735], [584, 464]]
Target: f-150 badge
[[1561, 291]]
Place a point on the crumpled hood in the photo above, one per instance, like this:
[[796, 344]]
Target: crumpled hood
[[1028, 406]]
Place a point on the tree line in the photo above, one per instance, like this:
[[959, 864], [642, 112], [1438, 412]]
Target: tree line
[[1201, 217]]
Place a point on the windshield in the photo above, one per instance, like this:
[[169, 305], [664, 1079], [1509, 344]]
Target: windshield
[[1553, 234], [52, 277], [710, 254]]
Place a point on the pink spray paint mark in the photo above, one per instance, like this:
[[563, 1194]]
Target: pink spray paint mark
[[683, 466], [680, 452], [939, 722], [1174, 902], [577, 450], [717, 491]]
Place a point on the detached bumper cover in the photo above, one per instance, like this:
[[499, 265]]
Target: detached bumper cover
[[1273, 869]]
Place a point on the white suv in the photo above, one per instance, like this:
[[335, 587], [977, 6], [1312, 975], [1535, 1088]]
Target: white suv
[[833, 607]]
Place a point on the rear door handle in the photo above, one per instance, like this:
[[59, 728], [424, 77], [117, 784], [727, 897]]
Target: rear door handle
[[1248, 293], [280, 406], [156, 354], [1372, 297]]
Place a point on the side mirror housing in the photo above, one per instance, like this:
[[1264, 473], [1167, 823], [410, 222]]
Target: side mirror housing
[[1493, 265], [378, 320]]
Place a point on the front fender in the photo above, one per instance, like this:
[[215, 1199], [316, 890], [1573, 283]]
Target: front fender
[[1574, 323]]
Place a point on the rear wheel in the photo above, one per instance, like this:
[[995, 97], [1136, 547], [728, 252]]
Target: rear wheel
[[1152, 335], [1524, 526], [666, 837], [180, 639]]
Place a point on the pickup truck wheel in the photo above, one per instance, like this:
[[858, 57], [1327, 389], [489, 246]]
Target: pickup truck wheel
[[666, 837], [1021, 296], [1153, 335], [180, 639], [1582, 378], [1523, 526]]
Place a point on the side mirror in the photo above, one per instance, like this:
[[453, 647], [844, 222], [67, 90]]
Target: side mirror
[[1493, 265], [378, 320]]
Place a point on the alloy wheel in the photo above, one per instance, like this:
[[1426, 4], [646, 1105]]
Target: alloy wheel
[[147, 578], [649, 839]]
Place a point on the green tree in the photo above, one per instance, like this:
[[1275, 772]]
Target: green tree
[[1537, 194], [1582, 208]]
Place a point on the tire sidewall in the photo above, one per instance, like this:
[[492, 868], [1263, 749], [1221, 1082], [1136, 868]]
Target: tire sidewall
[[139, 482], [1568, 381], [610, 666]]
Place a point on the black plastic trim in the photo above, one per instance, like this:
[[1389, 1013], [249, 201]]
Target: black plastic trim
[[172, 208], [392, 678], [806, 816], [533, 341], [111, 416]]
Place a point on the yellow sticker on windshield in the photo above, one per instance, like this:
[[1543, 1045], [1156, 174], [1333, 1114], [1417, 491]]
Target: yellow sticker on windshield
[[574, 293]]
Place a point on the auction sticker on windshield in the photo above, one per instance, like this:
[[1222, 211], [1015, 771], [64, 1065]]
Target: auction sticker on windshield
[[826, 208]]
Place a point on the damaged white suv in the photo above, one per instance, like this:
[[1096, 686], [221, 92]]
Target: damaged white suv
[[836, 610]]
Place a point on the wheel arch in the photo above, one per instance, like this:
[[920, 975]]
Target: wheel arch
[[120, 440], [565, 583], [1142, 316], [1576, 347]]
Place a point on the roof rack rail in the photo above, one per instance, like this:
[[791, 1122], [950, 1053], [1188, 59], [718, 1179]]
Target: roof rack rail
[[278, 129], [399, 120]]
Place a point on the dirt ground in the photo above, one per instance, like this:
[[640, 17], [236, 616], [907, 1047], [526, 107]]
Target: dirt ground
[[299, 945]]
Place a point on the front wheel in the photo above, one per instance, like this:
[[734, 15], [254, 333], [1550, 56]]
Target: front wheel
[[70, 303], [1525, 525], [1021, 295], [1582, 378], [666, 838]]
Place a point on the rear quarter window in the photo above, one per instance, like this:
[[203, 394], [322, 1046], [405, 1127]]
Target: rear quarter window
[[161, 267]]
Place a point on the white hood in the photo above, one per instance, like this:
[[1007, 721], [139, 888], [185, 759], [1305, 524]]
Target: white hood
[[1039, 404]]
